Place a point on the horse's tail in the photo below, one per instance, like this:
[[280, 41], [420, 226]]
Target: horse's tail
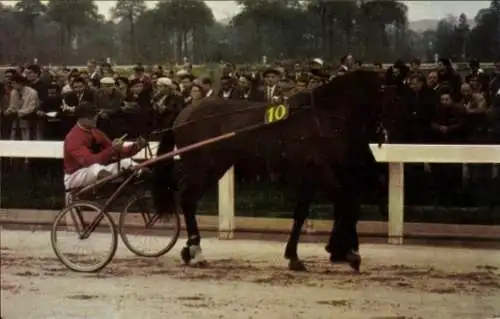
[[164, 179]]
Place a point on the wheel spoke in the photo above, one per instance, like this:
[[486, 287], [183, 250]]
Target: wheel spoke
[[144, 232], [96, 239]]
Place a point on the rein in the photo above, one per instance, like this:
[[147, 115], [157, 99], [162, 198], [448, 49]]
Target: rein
[[220, 115]]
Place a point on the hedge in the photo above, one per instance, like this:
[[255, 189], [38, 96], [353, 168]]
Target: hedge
[[40, 186]]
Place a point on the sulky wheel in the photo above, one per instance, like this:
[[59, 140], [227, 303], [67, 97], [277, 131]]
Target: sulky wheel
[[144, 232], [83, 237]]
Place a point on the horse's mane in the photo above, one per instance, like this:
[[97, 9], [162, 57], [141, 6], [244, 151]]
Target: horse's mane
[[357, 86]]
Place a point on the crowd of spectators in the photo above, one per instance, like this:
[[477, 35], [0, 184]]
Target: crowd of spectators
[[39, 102], [436, 106]]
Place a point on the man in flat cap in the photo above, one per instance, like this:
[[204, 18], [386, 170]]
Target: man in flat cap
[[89, 154], [272, 91]]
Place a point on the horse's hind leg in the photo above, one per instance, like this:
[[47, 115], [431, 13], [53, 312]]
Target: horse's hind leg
[[343, 244], [300, 215]]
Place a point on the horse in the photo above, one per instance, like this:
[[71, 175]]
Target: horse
[[323, 142]]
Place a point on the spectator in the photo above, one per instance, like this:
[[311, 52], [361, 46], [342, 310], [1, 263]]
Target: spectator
[[154, 77], [176, 88], [477, 74], [33, 73], [136, 114], [23, 103], [7, 121], [228, 91], [317, 78], [415, 66], [53, 128], [94, 73], [158, 70], [272, 91], [433, 81], [196, 94], [448, 126], [449, 77], [494, 84], [301, 84], [206, 83], [378, 66], [109, 102], [80, 92], [166, 103], [138, 73], [122, 85], [346, 64], [478, 132], [136, 96], [421, 104], [401, 73], [448, 121], [186, 81], [107, 71], [69, 76], [250, 91]]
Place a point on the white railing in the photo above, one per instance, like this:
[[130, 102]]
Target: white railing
[[394, 154], [54, 149], [399, 154]]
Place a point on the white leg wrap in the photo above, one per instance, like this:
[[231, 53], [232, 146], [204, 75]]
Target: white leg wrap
[[197, 254]]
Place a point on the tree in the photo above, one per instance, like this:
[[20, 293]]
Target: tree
[[462, 30], [445, 46], [188, 19], [71, 31], [129, 11], [376, 16], [29, 11], [11, 49], [484, 37], [70, 15]]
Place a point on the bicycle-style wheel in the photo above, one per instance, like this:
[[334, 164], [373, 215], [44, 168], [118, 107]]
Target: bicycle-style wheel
[[82, 231], [144, 232]]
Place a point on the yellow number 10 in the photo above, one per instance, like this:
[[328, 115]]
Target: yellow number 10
[[276, 113]]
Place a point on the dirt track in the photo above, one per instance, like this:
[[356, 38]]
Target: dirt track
[[247, 279]]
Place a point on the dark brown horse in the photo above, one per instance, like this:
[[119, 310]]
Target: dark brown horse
[[323, 143]]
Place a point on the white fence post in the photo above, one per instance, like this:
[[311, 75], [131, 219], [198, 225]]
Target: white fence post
[[396, 203], [226, 205]]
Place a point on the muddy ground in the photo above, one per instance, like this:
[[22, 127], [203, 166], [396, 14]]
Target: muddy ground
[[248, 279]]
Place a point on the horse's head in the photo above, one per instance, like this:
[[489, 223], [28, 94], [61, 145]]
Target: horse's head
[[356, 95]]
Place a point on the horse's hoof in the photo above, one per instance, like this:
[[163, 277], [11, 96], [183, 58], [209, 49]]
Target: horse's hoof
[[186, 255], [296, 265], [354, 260]]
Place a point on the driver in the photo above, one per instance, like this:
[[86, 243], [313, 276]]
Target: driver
[[89, 155]]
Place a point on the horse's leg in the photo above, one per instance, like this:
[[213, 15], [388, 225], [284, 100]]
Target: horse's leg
[[192, 186], [300, 214], [191, 253], [190, 192], [343, 244]]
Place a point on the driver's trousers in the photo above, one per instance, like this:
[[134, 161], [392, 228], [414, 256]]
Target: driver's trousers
[[88, 175]]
